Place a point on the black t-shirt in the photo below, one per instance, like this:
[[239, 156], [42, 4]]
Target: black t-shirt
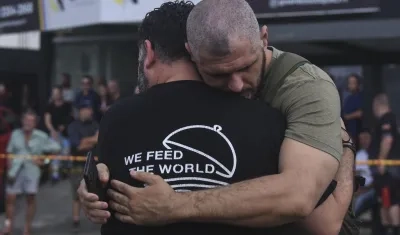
[[386, 126], [60, 115], [196, 138]]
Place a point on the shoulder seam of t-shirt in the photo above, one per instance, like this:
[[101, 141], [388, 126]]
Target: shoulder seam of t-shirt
[[332, 151]]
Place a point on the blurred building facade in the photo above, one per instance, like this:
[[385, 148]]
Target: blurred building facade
[[98, 37]]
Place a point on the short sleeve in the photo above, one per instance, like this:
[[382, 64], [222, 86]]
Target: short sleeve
[[388, 126], [49, 109], [312, 110]]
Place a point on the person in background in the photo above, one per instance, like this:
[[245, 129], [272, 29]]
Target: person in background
[[88, 95], [114, 92], [4, 96], [57, 116], [366, 196], [24, 174], [101, 81], [385, 146], [56, 165], [352, 107], [104, 98], [83, 137], [27, 100], [8, 121], [68, 92]]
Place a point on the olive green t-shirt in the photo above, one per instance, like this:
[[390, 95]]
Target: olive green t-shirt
[[310, 101]]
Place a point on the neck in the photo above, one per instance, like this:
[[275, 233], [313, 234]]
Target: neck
[[181, 70], [268, 59], [58, 102]]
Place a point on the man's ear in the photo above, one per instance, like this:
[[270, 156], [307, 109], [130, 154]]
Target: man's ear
[[189, 50], [264, 35], [188, 47], [150, 58]]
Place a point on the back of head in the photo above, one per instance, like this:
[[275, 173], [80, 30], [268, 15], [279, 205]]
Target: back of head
[[165, 28], [214, 23]]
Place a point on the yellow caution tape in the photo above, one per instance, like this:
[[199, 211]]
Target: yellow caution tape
[[45, 157], [379, 162], [83, 158]]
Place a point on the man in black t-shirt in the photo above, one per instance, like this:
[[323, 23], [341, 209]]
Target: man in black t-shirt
[[57, 117], [191, 135], [385, 145], [58, 114]]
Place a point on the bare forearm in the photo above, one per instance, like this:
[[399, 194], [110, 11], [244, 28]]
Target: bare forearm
[[47, 122], [266, 201], [345, 179], [328, 217], [354, 115], [385, 147], [85, 146], [93, 139]]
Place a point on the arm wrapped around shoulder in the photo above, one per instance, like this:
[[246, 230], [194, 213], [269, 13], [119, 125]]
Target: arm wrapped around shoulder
[[313, 145]]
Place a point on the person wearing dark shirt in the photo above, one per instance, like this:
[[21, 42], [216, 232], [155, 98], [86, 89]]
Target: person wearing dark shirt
[[88, 95], [83, 137], [104, 98], [193, 136], [58, 114], [114, 91], [385, 145], [352, 107]]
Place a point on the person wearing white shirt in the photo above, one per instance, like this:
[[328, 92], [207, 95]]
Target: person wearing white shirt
[[366, 197]]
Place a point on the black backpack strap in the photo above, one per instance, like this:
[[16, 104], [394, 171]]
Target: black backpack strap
[[284, 65]]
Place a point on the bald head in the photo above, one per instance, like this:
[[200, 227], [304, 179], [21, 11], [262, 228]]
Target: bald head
[[213, 25]]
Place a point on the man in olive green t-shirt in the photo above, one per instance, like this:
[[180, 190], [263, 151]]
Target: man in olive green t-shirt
[[231, 53]]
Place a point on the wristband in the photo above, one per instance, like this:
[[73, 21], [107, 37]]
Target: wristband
[[349, 144], [358, 180]]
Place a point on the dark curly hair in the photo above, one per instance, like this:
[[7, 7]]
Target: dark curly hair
[[165, 28]]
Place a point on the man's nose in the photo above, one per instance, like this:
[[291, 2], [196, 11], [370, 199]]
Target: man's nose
[[235, 84]]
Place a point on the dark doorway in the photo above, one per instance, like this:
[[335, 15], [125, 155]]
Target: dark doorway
[[22, 90]]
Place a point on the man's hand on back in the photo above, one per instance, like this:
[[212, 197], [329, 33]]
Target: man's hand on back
[[94, 209], [151, 205], [263, 202]]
